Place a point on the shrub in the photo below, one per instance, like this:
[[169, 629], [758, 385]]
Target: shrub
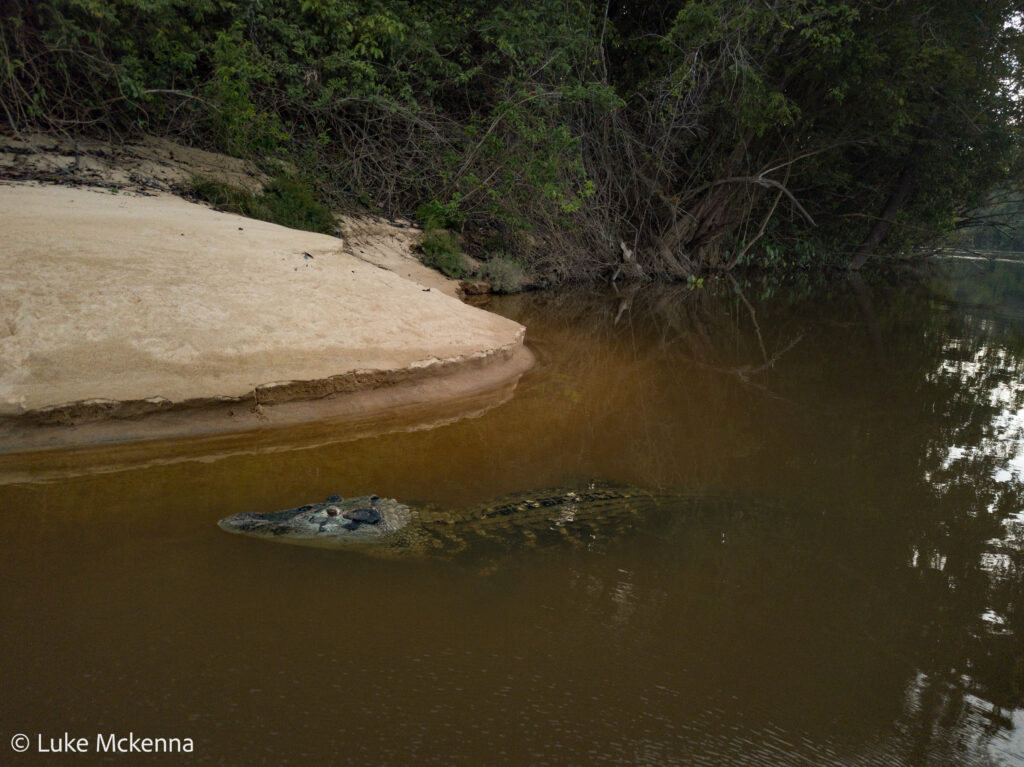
[[504, 274], [220, 194], [441, 251], [285, 201], [437, 215], [290, 202]]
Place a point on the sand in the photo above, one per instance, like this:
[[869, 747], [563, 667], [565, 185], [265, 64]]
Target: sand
[[119, 304]]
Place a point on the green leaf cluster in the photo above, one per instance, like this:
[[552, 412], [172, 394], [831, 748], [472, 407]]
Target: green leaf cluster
[[286, 201]]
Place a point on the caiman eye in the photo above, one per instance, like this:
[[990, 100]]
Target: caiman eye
[[367, 515], [332, 512]]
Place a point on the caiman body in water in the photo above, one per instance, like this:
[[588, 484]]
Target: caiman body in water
[[539, 519]]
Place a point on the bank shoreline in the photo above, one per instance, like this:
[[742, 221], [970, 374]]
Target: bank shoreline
[[127, 315], [458, 389]]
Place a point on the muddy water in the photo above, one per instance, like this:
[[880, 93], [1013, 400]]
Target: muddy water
[[873, 617]]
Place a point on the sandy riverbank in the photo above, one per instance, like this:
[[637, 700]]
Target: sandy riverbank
[[117, 307]]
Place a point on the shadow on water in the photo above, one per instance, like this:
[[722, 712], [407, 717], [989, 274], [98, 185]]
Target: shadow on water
[[859, 602]]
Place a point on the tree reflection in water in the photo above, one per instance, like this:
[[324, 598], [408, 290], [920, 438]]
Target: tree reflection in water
[[898, 462]]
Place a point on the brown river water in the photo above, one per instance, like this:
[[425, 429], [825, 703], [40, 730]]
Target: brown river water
[[858, 601]]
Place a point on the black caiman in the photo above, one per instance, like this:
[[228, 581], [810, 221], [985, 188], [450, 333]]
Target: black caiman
[[540, 519]]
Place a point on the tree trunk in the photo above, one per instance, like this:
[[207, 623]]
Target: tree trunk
[[904, 185]]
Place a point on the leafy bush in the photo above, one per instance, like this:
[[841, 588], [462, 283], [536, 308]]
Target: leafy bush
[[504, 274], [290, 202], [441, 251], [219, 194], [437, 215], [285, 201]]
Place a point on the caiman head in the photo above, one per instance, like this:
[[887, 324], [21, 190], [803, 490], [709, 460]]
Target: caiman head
[[335, 522]]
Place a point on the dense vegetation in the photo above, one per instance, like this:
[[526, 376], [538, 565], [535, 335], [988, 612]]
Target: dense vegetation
[[587, 138], [997, 227], [284, 200]]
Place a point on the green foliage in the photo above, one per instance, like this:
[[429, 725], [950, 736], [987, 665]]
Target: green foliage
[[238, 125], [219, 194], [441, 251], [436, 215], [285, 201], [292, 203], [798, 255], [687, 128]]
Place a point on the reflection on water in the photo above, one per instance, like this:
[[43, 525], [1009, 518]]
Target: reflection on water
[[868, 612]]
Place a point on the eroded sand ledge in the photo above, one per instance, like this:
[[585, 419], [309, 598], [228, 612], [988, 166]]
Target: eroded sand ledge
[[118, 305]]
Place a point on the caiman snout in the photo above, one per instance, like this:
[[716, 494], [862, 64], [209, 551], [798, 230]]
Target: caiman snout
[[337, 519]]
